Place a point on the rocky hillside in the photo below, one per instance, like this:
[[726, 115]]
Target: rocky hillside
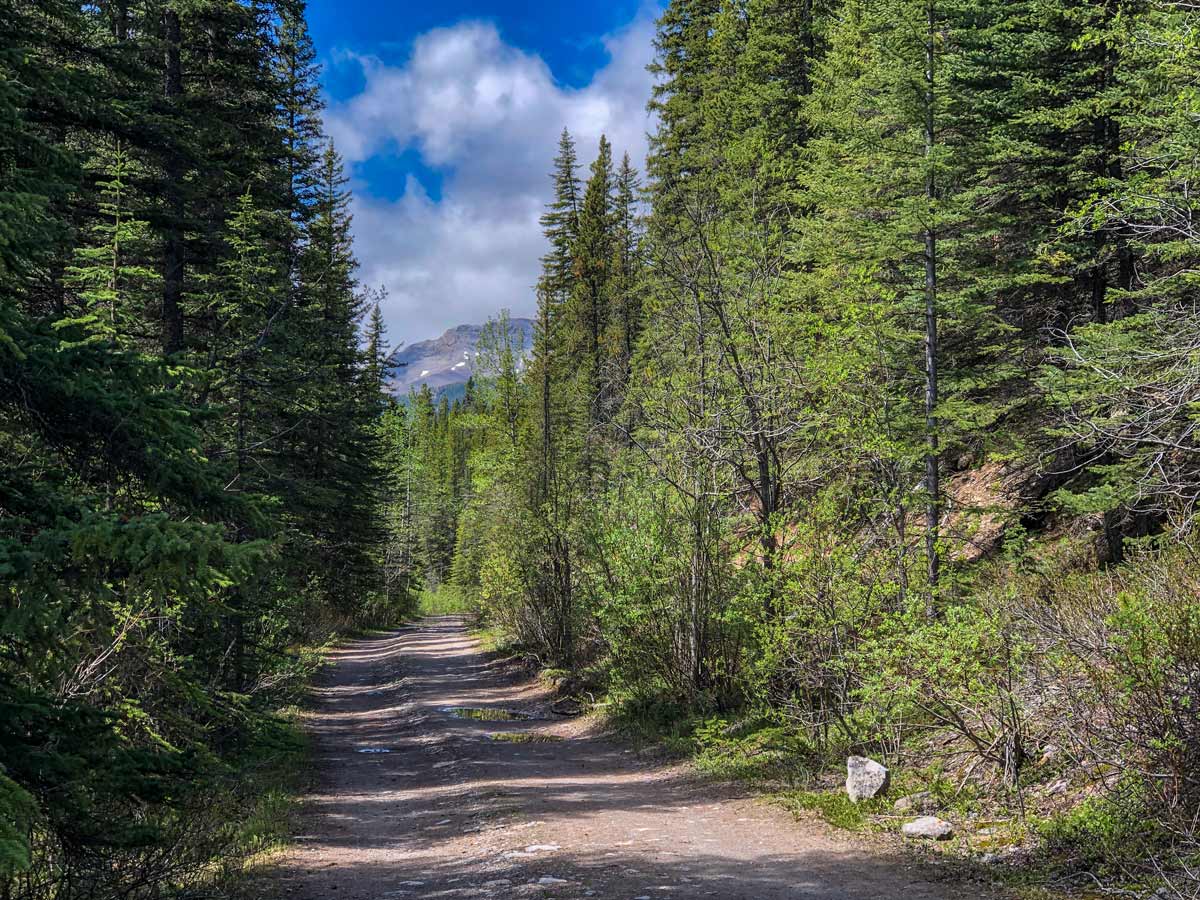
[[444, 363]]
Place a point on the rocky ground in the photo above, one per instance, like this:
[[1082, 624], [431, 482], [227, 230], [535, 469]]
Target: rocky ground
[[415, 795]]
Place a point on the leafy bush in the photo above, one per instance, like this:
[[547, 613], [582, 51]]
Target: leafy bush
[[959, 671], [1101, 832], [801, 668], [447, 600], [1120, 653], [670, 602]]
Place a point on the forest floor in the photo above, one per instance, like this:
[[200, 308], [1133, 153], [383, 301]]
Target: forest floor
[[413, 799]]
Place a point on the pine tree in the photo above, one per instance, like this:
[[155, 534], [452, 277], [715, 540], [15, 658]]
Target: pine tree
[[158, 519], [551, 496], [587, 314], [905, 157], [625, 316], [560, 224], [111, 273], [334, 449], [1122, 381], [375, 374], [683, 60], [300, 107]]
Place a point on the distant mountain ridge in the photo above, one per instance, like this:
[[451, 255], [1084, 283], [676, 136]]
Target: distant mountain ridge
[[444, 363]]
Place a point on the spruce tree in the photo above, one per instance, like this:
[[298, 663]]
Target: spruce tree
[[112, 273], [625, 307], [587, 313], [889, 143]]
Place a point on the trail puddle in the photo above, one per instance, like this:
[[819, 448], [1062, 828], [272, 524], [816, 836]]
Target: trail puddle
[[519, 737], [487, 715]]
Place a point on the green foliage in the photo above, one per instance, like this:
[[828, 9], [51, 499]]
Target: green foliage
[[835, 807], [960, 673], [651, 720], [1126, 645], [184, 409], [17, 813], [1101, 834], [447, 600], [759, 749], [832, 436]]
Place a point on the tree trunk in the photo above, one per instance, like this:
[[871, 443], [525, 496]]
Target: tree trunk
[[121, 20], [547, 435]]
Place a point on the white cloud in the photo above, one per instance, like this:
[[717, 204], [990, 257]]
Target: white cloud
[[487, 117]]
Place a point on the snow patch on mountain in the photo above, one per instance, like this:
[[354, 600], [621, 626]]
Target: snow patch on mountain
[[446, 361]]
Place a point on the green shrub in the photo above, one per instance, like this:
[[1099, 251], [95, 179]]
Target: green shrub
[[1101, 832], [446, 600], [674, 609], [959, 671], [1119, 651]]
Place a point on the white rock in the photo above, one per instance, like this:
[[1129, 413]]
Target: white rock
[[865, 778], [920, 801], [929, 827]]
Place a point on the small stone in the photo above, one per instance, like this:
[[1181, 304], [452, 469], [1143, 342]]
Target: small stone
[[1057, 787], [542, 848], [550, 879], [928, 827], [865, 778], [922, 801]]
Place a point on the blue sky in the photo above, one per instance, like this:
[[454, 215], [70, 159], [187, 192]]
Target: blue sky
[[448, 114]]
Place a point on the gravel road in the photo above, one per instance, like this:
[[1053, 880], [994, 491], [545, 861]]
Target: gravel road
[[413, 797]]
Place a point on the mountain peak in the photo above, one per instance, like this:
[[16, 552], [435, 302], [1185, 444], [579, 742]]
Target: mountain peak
[[444, 362]]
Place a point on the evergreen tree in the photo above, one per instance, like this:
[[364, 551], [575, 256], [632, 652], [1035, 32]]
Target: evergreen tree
[[560, 224], [300, 107], [551, 497], [111, 274], [625, 306], [587, 314], [683, 56], [377, 353]]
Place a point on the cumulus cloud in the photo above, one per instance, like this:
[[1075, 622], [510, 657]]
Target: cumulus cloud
[[486, 116]]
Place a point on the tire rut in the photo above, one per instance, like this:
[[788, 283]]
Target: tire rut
[[413, 798]]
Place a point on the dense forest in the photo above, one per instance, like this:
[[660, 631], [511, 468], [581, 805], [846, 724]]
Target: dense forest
[[189, 429], [863, 420], [860, 419]]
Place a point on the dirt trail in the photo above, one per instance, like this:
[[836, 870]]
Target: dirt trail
[[415, 801]]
